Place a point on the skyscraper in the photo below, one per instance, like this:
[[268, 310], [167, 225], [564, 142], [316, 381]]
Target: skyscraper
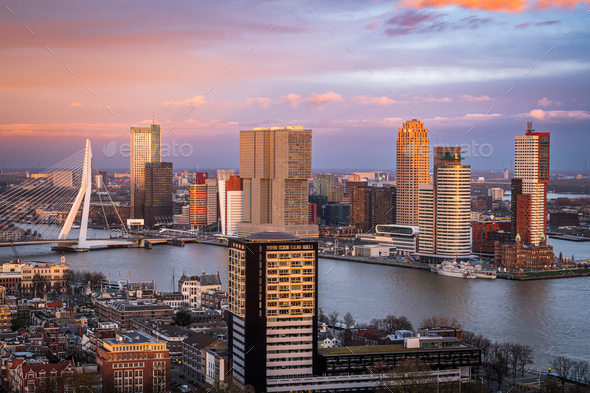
[[444, 215], [231, 204], [157, 208], [275, 165], [413, 166], [531, 165], [272, 323], [145, 148], [371, 206]]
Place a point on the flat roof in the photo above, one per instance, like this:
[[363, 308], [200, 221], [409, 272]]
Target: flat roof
[[376, 349]]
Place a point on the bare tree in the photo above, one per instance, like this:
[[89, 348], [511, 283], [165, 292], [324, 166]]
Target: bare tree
[[322, 317], [391, 323], [562, 367], [499, 361], [348, 320], [580, 372], [333, 318], [413, 376], [376, 324], [441, 320], [514, 350], [525, 357]]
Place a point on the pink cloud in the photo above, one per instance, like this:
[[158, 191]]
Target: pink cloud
[[293, 99], [474, 99], [263, 101], [523, 25], [544, 102], [432, 99], [196, 101], [372, 25], [75, 104], [318, 100], [368, 100], [540, 114]]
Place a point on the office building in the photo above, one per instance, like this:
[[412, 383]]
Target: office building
[[272, 308], [531, 170], [413, 167], [370, 206], [121, 312], [145, 148], [335, 194], [337, 215], [157, 204], [324, 182], [444, 208], [485, 235], [105, 178], [404, 238], [497, 194], [203, 201], [275, 166], [193, 288], [231, 204], [377, 176], [133, 362]]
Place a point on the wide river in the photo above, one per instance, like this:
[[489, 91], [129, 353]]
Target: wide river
[[550, 315]]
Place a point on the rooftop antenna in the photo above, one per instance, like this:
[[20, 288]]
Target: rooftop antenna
[[153, 119], [529, 126]]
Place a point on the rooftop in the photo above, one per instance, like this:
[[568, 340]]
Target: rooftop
[[374, 349], [132, 338], [271, 237]]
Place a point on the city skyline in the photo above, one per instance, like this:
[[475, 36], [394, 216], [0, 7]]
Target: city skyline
[[353, 86]]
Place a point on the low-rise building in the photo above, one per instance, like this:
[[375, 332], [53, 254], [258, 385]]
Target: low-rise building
[[44, 277], [5, 319], [194, 354], [216, 363], [193, 288], [134, 362], [42, 378], [214, 299], [175, 299], [121, 312], [163, 330], [521, 256]]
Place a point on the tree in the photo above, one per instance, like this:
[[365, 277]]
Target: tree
[[182, 318], [322, 317], [333, 318], [413, 376], [525, 357], [348, 320], [514, 350], [580, 372], [562, 366], [440, 321], [500, 361]]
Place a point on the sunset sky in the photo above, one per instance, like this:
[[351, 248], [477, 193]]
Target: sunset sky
[[473, 71]]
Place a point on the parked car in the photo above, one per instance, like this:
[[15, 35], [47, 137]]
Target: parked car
[[181, 376]]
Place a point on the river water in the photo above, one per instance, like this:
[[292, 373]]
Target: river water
[[538, 313]]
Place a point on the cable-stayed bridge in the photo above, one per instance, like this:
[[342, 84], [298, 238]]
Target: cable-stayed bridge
[[43, 209]]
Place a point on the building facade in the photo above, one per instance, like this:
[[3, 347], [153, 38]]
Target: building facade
[[275, 166], [413, 167], [231, 204], [272, 308], [145, 148], [371, 206], [193, 288], [134, 362], [44, 277], [531, 166], [158, 206], [520, 256], [121, 312], [444, 214], [485, 235]]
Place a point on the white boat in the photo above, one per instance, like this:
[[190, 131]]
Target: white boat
[[452, 269], [485, 274], [433, 268], [75, 226]]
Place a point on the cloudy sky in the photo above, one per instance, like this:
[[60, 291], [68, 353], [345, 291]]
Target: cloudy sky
[[474, 71]]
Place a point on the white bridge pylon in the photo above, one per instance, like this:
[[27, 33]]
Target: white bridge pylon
[[84, 194]]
